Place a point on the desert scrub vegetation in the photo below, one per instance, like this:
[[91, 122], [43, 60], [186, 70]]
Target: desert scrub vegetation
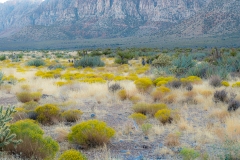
[[34, 144], [36, 63], [27, 96], [138, 117], [91, 133], [143, 84], [89, 62], [72, 155], [71, 115], [48, 114], [184, 90]]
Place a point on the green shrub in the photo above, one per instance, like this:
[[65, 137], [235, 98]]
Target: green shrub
[[30, 105], [89, 62], [162, 61], [72, 115], [1, 77], [163, 115], [143, 84], [6, 137], [138, 117], [189, 154], [141, 108], [57, 66], [91, 133], [146, 128], [123, 57], [48, 114], [35, 62], [2, 57], [34, 144], [72, 155], [154, 108], [182, 64]]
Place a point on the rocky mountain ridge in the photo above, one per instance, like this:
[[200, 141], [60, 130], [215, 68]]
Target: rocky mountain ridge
[[37, 20]]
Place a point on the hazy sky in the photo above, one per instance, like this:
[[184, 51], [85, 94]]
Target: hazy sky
[[1, 1]]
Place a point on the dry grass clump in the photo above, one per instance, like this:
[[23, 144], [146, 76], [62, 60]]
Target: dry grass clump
[[183, 125], [233, 127], [221, 114], [62, 134], [28, 96], [206, 93], [172, 140], [145, 108]]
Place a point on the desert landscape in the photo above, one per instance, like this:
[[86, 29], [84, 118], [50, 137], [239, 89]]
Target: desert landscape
[[121, 104]]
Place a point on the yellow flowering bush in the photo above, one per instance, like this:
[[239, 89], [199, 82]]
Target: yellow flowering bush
[[225, 83], [34, 144], [191, 79], [72, 155], [163, 79], [163, 115], [71, 115], [138, 117], [48, 114], [143, 84], [237, 84], [122, 94], [119, 78], [91, 133]]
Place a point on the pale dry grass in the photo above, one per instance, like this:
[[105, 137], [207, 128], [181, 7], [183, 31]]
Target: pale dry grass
[[183, 125], [163, 151], [62, 133], [220, 114], [172, 140], [204, 136], [233, 127]]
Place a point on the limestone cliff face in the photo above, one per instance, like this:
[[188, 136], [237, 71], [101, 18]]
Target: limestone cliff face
[[73, 19]]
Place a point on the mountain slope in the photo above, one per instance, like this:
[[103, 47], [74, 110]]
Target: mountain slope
[[99, 18], [218, 18]]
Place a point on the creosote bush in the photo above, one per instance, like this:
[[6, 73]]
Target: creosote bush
[[71, 115], [48, 114], [91, 133], [34, 144], [72, 155]]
